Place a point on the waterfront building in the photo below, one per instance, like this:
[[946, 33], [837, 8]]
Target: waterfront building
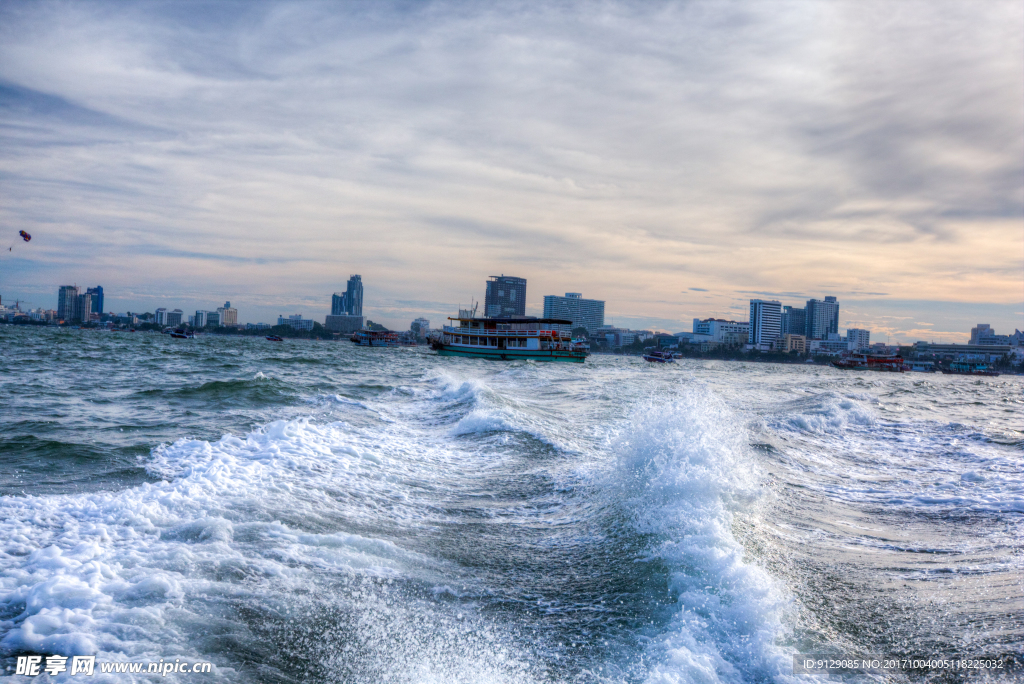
[[212, 319], [962, 352], [199, 320], [980, 330], [97, 299], [722, 330], [797, 343], [343, 323], [173, 318], [584, 313], [257, 326], [296, 321], [858, 339], [83, 309], [822, 318], [505, 296], [765, 321], [228, 315], [420, 326], [794, 321], [338, 305], [67, 301]]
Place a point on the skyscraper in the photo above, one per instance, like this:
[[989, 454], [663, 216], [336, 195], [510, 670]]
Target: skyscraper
[[584, 313], [228, 315], [822, 318], [97, 298], [765, 321], [83, 308], [505, 296], [794, 321], [339, 306], [199, 320], [351, 302], [67, 301]]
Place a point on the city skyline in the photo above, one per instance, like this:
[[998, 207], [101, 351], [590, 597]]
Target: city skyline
[[614, 152]]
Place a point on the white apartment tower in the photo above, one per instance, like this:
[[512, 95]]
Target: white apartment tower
[[765, 321]]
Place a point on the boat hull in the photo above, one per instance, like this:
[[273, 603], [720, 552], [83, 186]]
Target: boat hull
[[513, 354]]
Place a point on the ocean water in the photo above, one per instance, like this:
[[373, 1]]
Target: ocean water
[[318, 512]]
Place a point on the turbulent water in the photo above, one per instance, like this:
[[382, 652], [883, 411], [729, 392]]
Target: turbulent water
[[318, 512]]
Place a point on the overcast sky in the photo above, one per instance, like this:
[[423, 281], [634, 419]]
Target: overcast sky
[[674, 159]]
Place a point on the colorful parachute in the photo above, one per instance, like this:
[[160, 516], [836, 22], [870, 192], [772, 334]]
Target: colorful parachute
[[24, 236]]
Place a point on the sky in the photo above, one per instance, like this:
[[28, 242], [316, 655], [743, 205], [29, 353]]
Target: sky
[[674, 159]]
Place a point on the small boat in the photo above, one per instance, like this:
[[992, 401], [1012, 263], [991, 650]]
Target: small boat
[[871, 362], [275, 338], [375, 338], [655, 356], [182, 334], [968, 368]]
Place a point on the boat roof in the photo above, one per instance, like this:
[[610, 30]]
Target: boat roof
[[523, 319]]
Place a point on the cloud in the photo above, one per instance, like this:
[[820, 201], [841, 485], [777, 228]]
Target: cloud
[[620, 150]]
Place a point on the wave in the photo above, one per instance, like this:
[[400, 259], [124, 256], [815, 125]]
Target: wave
[[685, 471]]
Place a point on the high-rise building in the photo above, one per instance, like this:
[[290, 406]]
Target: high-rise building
[[212, 319], [794, 321], [858, 339], [982, 330], [354, 296], [67, 302], [505, 296], [228, 315], [822, 318], [765, 321], [339, 307], [160, 316], [83, 309], [296, 321], [199, 320], [420, 327], [584, 313], [97, 299], [721, 330], [173, 318]]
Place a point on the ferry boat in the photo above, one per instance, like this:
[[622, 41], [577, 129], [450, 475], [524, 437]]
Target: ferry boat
[[509, 339], [968, 368], [375, 338], [871, 362], [655, 356]]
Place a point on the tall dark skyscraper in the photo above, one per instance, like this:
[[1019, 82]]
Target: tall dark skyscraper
[[822, 318], [97, 298], [350, 302], [506, 296], [794, 320]]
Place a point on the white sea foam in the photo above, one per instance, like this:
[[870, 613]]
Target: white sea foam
[[685, 471]]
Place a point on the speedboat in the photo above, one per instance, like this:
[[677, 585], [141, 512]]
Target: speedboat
[[275, 338], [182, 334], [655, 356]]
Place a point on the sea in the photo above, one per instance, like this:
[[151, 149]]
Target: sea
[[314, 511]]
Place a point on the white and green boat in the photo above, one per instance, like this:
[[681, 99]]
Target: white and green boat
[[509, 339]]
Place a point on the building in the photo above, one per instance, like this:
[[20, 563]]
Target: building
[[83, 309], [794, 343], [982, 329], [199, 320], [296, 321], [858, 339], [212, 319], [962, 352], [584, 313], [228, 315], [160, 317], [173, 318], [97, 299], [822, 318], [794, 321], [338, 305], [67, 302], [421, 326], [722, 331], [765, 322], [343, 323], [505, 296]]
